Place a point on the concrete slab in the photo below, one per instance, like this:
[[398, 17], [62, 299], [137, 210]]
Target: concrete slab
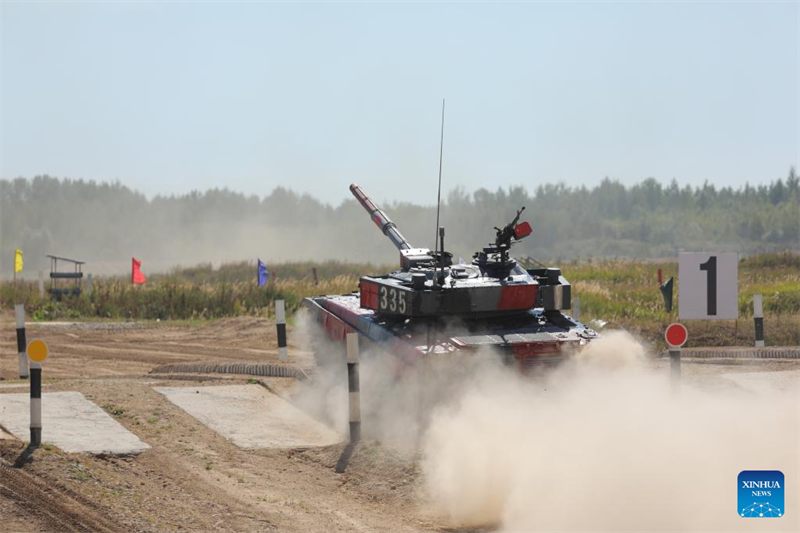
[[71, 422], [764, 382], [251, 416]]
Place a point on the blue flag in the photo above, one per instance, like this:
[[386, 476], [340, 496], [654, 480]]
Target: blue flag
[[263, 273]]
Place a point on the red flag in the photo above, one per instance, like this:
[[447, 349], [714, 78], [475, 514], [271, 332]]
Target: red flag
[[136, 273]]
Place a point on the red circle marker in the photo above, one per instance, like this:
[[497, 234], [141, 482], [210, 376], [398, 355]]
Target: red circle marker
[[676, 335]]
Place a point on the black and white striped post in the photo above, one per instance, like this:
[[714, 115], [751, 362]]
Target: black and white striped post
[[36, 404], [22, 344], [675, 367], [353, 387], [37, 352], [280, 320], [758, 317]]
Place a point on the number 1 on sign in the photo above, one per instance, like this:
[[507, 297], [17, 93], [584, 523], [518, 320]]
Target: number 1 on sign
[[710, 267]]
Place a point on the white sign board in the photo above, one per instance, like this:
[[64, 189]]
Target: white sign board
[[708, 285]]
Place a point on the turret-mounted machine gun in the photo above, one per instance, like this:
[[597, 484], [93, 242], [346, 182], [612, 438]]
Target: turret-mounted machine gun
[[494, 259]]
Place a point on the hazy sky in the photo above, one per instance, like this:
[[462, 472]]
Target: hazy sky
[[169, 97]]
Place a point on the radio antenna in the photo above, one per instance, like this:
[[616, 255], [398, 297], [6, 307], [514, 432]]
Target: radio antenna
[[439, 194]]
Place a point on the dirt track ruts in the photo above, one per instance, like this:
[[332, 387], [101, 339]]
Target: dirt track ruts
[[48, 503]]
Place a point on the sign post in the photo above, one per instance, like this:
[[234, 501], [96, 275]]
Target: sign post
[[37, 353], [758, 318], [676, 336], [353, 387], [280, 323], [19, 313]]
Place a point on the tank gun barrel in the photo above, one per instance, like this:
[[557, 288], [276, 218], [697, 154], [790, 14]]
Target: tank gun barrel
[[380, 219]]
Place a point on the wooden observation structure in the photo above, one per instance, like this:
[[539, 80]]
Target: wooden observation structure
[[72, 277]]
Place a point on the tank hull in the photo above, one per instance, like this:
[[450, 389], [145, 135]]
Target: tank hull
[[526, 339]]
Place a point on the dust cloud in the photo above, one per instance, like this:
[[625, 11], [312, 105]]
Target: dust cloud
[[602, 444], [397, 400]]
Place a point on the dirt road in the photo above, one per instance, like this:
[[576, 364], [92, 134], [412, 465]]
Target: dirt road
[[192, 478]]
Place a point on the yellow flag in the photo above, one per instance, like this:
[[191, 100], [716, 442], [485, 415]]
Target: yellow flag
[[18, 261]]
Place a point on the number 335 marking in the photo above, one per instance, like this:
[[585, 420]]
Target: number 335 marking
[[392, 300]]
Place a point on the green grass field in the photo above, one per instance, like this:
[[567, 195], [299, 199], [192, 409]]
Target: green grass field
[[622, 293]]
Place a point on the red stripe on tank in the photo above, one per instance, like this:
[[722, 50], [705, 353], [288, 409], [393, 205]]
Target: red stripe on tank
[[379, 220], [516, 297], [336, 329], [536, 348], [369, 295]]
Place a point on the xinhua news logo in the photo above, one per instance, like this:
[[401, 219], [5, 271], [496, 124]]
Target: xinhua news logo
[[761, 494]]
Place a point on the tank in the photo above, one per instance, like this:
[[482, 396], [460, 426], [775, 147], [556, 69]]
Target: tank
[[430, 306]]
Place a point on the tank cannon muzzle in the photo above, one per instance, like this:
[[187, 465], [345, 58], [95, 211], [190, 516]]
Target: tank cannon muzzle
[[380, 219]]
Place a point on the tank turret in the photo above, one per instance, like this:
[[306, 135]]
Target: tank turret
[[429, 285]]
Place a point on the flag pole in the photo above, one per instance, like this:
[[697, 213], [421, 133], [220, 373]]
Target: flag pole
[[14, 292]]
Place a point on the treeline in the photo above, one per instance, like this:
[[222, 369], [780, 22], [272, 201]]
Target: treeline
[[107, 223]]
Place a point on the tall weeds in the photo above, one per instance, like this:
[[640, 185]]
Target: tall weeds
[[623, 293]]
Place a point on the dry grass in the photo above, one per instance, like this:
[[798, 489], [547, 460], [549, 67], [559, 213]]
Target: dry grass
[[626, 295], [623, 293]]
